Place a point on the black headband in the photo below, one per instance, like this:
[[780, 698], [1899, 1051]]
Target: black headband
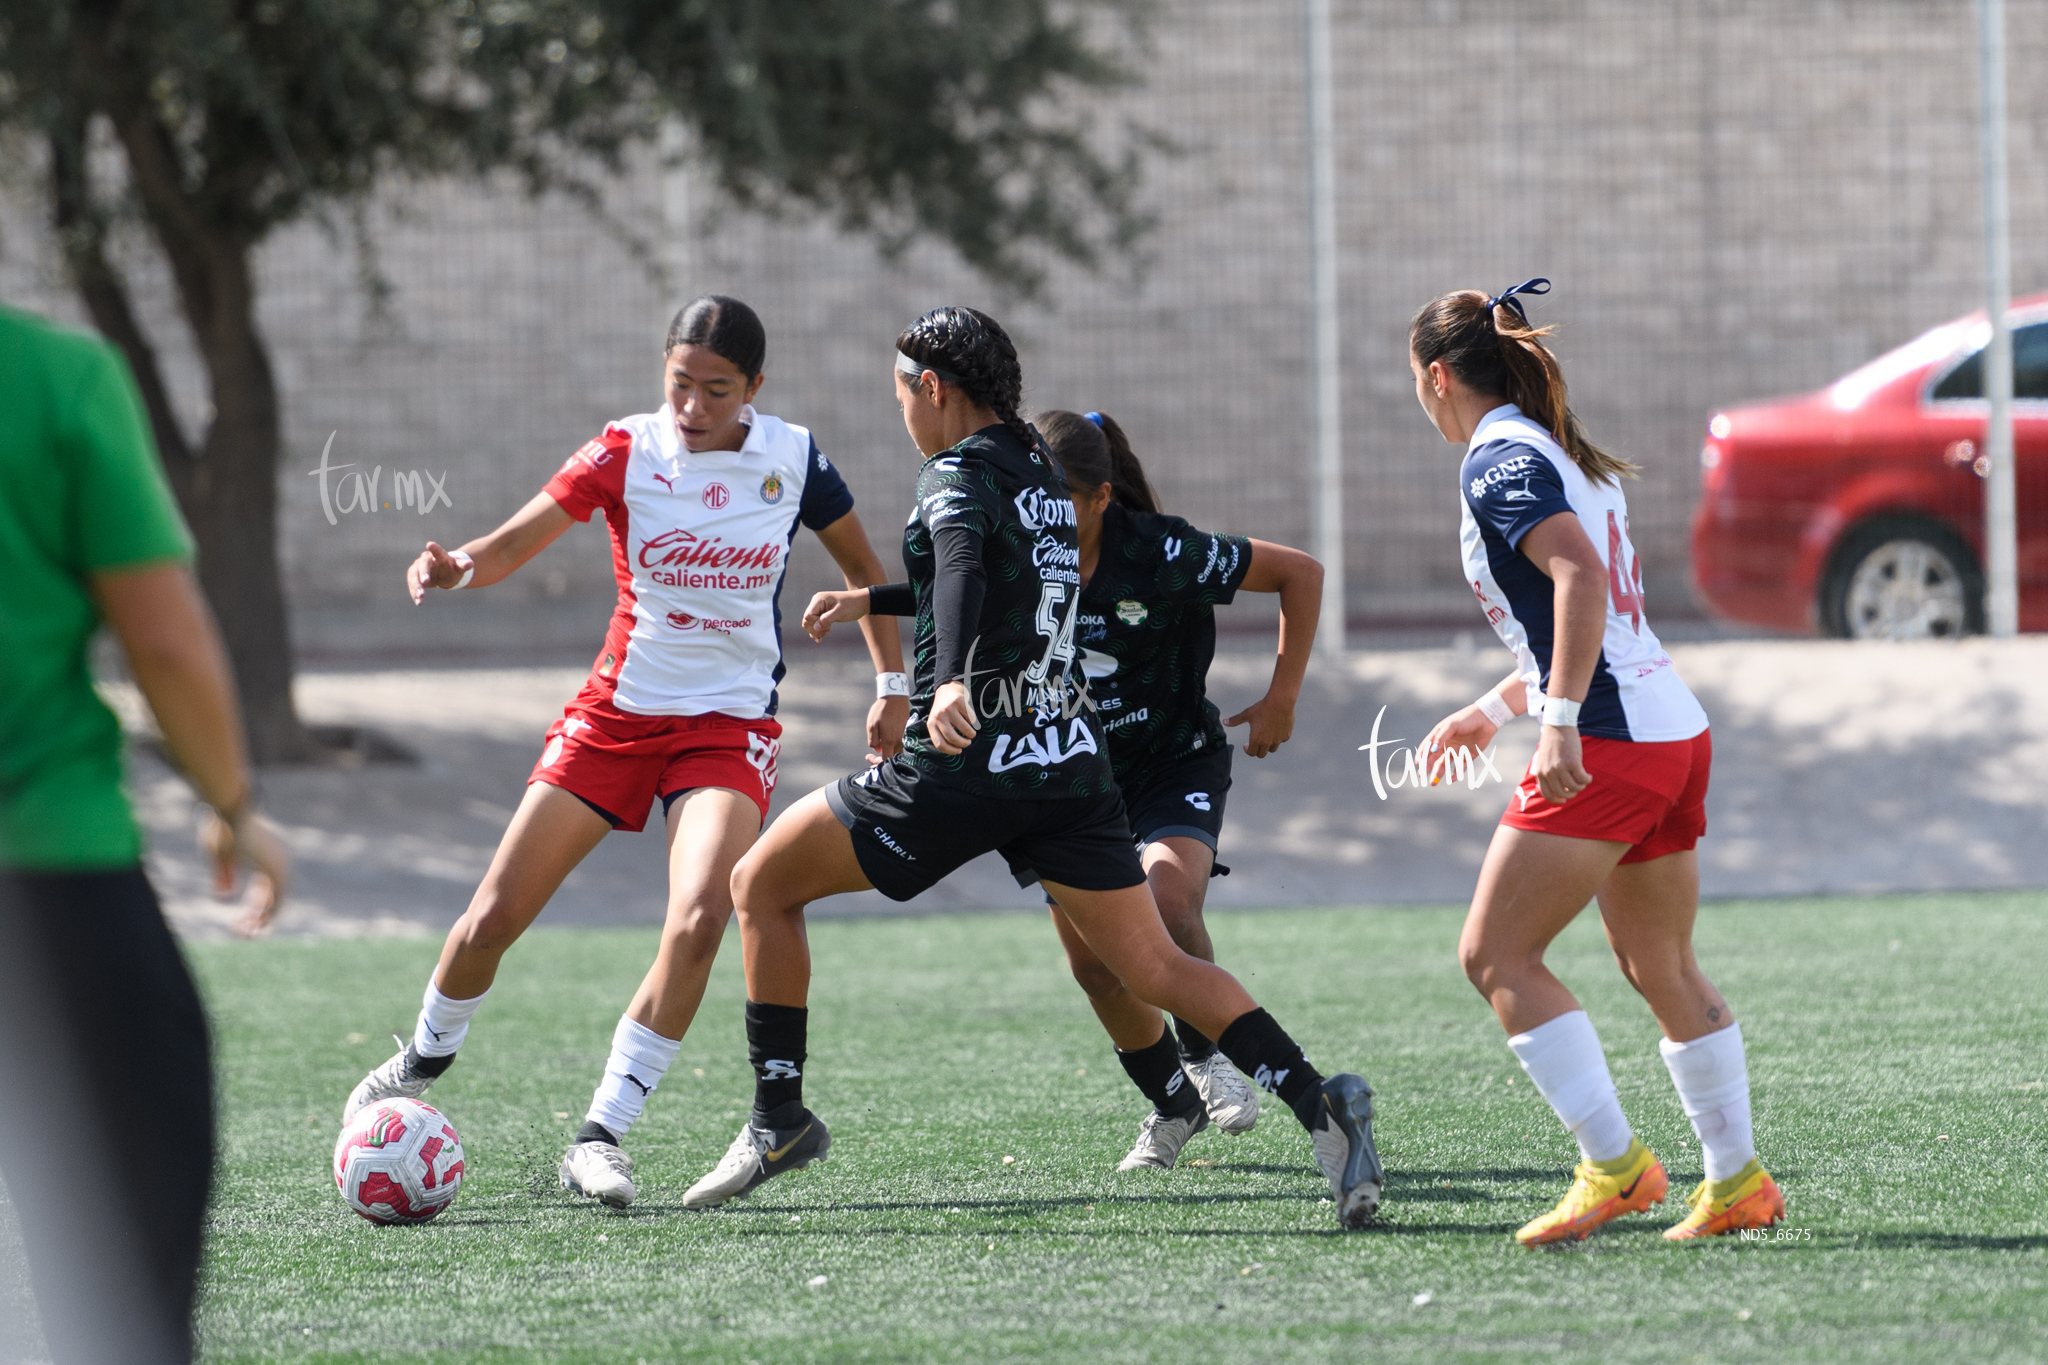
[[1507, 296]]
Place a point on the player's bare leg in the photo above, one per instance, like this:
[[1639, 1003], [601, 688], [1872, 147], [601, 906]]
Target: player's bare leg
[[805, 855], [709, 829], [549, 835]]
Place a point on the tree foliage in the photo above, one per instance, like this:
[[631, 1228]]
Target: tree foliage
[[967, 121]]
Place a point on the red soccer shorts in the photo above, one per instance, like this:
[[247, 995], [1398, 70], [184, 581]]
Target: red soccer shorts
[[619, 762], [1651, 797]]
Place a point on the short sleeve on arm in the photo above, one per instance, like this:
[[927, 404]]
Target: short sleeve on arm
[[826, 497], [1511, 488], [126, 515], [947, 495], [594, 477], [1206, 569]]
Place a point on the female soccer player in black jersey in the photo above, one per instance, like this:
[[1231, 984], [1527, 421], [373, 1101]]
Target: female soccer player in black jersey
[[1003, 752], [1146, 635]]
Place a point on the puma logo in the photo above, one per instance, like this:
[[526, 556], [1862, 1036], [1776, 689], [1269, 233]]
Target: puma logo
[[663, 480], [645, 1090], [780, 1152]]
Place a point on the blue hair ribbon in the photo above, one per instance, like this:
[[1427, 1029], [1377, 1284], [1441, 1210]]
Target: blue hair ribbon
[[1539, 285], [1094, 417]]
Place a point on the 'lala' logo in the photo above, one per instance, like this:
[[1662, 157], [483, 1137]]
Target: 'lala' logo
[[716, 495]]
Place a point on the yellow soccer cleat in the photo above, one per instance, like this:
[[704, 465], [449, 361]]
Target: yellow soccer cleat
[[1602, 1193], [1747, 1199]]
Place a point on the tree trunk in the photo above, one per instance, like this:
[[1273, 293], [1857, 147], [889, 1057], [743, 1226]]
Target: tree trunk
[[227, 488]]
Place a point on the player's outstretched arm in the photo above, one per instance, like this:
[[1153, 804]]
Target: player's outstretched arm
[[861, 567], [1298, 578], [530, 530]]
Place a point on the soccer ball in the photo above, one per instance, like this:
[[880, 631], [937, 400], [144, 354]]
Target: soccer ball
[[398, 1162]]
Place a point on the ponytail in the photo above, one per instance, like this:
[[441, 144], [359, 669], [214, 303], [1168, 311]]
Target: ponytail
[[1092, 450], [1489, 344]]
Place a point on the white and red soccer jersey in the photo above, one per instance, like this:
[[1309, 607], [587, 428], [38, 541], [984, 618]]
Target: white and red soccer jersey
[[1516, 477], [700, 544]]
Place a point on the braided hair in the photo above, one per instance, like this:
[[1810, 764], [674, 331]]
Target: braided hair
[[1092, 450], [973, 350]]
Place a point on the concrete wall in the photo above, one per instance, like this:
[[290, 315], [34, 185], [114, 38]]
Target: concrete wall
[[1735, 199]]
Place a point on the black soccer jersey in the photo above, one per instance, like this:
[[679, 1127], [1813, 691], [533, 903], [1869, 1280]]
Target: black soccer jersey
[[1148, 632], [1039, 735]]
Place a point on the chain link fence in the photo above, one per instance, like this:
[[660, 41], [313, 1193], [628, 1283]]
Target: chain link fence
[[1735, 200]]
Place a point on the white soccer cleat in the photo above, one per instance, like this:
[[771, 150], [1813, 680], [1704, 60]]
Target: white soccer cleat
[[599, 1171], [1160, 1139], [395, 1080], [759, 1154], [1226, 1094]]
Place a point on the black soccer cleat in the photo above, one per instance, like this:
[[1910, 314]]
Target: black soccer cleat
[[1342, 1134]]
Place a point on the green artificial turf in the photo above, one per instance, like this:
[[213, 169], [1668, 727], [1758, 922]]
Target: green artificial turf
[[1895, 1049]]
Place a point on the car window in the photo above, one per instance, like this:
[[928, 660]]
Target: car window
[[2029, 369]]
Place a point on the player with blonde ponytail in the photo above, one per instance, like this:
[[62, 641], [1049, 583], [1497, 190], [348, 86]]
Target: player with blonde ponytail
[[1613, 803]]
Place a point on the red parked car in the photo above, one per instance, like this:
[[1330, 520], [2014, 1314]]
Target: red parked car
[[1858, 511]]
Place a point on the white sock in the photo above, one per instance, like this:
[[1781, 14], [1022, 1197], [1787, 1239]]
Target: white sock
[[1713, 1086], [1564, 1059], [443, 1024], [640, 1058]]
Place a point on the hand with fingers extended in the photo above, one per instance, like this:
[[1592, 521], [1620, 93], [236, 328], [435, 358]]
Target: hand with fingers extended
[[952, 725], [829, 609], [1466, 728], [248, 839], [1559, 766], [435, 568], [1272, 720]]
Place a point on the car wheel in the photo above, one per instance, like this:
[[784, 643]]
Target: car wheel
[[1903, 578]]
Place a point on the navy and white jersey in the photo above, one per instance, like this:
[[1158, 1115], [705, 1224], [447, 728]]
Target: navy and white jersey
[[1514, 477]]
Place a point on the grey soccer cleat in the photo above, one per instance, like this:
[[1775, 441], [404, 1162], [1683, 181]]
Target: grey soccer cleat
[[1160, 1139], [396, 1079], [757, 1155], [599, 1171], [1342, 1135], [1225, 1093]]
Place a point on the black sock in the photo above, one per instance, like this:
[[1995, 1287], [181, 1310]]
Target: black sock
[[1262, 1050], [593, 1131], [426, 1066], [775, 1045], [1155, 1070], [1195, 1045]]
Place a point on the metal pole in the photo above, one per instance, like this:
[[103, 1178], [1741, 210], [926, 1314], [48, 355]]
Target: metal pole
[[2001, 550], [1327, 457]]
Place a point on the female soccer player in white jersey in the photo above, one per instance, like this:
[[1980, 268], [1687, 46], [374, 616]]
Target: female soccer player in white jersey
[[703, 499], [1612, 805], [1003, 752], [1150, 584]]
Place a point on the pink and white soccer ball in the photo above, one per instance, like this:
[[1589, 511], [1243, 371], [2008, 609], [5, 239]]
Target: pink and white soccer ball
[[398, 1162]]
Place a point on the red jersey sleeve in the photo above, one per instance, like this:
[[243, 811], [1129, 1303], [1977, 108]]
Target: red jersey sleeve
[[594, 478]]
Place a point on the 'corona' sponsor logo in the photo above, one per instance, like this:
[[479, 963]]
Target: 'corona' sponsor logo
[[1039, 509]]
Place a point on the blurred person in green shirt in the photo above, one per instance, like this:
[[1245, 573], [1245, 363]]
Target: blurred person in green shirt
[[106, 1083]]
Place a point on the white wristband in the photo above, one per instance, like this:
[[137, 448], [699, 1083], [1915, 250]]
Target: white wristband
[[1558, 711], [468, 568], [892, 685], [1495, 708]]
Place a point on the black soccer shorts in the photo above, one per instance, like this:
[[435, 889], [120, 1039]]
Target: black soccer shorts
[[910, 829], [1184, 800]]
